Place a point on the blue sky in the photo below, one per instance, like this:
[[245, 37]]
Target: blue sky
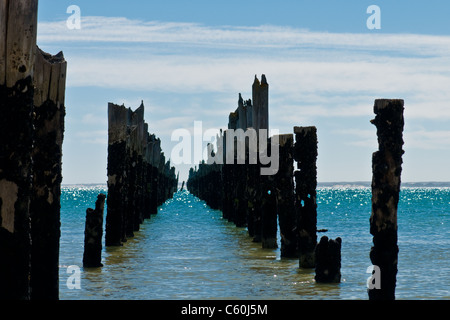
[[189, 60]]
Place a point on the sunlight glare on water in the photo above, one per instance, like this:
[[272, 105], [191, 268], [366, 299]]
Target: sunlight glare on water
[[187, 251]]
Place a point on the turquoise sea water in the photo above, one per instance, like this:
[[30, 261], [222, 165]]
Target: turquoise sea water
[[187, 251]]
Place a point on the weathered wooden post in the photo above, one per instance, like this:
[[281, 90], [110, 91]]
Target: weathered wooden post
[[93, 233], [45, 206], [135, 151], [161, 180], [138, 152], [305, 153], [227, 178], [268, 213], [253, 202], [328, 260], [284, 188], [269, 223], [155, 182], [118, 123], [260, 108], [386, 168], [259, 121], [18, 25], [150, 174]]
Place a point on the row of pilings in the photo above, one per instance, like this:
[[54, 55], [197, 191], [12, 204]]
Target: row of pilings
[[251, 199], [32, 123], [139, 177], [261, 190], [32, 112]]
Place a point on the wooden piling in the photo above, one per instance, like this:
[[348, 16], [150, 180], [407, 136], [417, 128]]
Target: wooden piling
[[328, 260], [139, 178], [118, 123], [134, 170], [18, 25], [268, 214], [147, 173], [284, 189], [253, 202], [305, 154], [93, 234], [45, 206], [386, 168], [260, 107], [268, 209], [155, 176]]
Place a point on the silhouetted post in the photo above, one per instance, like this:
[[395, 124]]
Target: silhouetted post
[[18, 25], [134, 177], [260, 108], [387, 168], [45, 206], [118, 126], [268, 213], [227, 178], [284, 188], [138, 121], [147, 189], [253, 202], [155, 177], [328, 260], [93, 233], [259, 121], [305, 153]]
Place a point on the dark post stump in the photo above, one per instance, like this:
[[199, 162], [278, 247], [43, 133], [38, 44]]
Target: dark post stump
[[93, 234], [18, 25], [305, 153], [328, 260], [387, 168]]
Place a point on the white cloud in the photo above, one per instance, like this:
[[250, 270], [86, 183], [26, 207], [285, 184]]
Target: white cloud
[[92, 137], [312, 75], [119, 29], [336, 74], [428, 139], [93, 119]]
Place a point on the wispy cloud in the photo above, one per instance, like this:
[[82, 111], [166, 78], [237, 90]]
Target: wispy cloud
[[93, 137], [119, 29], [303, 67], [188, 72], [428, 139], [92, 119], [312, 75]]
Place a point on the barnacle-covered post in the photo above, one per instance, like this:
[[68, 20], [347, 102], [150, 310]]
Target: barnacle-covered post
[[305, 153], [386, 169], [18, 29], [93, 233], [45, 206], [119, 119], [285, 201]]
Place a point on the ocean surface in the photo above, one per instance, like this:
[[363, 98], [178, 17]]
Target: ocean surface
[[187, 251]]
